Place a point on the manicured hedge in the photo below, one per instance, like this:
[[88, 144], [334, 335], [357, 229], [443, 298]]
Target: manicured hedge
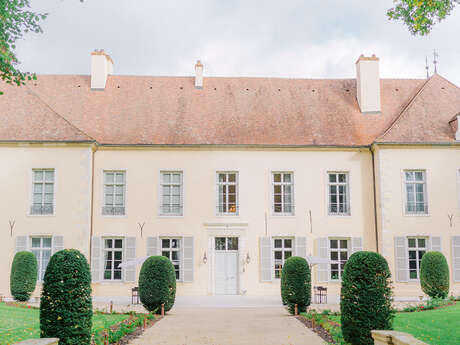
[[365, 298], [23, 277], [296, 284], [434, 275], [66, 307], [157, 284]]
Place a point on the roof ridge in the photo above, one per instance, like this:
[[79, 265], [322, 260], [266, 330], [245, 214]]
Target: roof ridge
[[59, 115]]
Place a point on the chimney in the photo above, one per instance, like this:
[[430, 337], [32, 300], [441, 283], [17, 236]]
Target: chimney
[[455, 127], [199, 75], [368, 84], [101, 67]]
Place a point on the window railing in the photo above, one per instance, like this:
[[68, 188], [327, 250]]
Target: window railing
[[113, 210], [41, 209], [416, 207]]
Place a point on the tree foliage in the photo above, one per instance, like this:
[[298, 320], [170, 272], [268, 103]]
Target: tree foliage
[[66, 306], [157, 284], [434, 275], [296, 284], [23, 277], [421, 15], [365, 298]]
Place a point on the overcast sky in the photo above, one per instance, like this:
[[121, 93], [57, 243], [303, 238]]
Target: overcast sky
[[290, 38]]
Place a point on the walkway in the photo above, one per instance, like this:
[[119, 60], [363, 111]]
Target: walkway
[[225, 326]]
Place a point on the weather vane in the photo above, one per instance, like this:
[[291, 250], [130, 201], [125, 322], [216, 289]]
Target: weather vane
[[435, 61]]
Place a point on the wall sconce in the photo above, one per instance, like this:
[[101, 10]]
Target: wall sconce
[[205, 259], [248, 258]]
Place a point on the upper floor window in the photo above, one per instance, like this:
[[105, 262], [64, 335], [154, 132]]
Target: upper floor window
[[338, 251], [114, 193], [415, 185], [338, 193], [282, 250], [171, 199], [41, 248], [227, 190], [170, 248], [417, 247], [283, 192], [113, 257], [42, 191]]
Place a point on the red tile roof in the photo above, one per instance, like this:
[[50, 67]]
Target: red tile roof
[[227, 111]]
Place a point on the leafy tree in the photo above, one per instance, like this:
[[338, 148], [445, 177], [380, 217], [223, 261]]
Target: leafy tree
[[421, 15], [23, 277], [296, 284], [434, 275], [16, 19]]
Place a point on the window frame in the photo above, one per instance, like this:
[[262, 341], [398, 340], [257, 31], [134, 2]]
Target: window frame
[[283, 249], [179, 250], [41, 270], [227, 183], [425, 192], [347, 194], [282, 183], [31, 194], [160, 193], [417, 249], [123, 252], [338, 250], [104, 196]]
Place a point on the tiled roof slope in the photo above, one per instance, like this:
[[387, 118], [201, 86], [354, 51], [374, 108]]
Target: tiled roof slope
[[426, 118], [25, 117]]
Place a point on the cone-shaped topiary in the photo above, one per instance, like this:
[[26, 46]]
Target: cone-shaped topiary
[[365, 298], [157, 284], [296, 284], [434, 275], [66, 307], [23, 277]]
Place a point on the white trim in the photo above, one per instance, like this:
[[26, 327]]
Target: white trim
[[348, 185], [272, 193], [31, 193], [282, 249], [349, 253], [123, 253], [180, 250], [102, 191], [237, 193], [404, 194], [182, 193], [238, 270], [41, 248], [427, 249]]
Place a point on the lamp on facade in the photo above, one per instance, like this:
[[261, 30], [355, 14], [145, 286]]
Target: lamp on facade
[[248, 258], [205, 259]]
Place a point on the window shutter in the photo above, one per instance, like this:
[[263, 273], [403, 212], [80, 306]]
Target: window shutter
[[435, 244], [356, 244], [96, 258], [456, 258], [322, 250], [187, 267], [21, 243], [58, 243], [300, 243], [265, 244], [401, 259], [152, 246], [130, 254]]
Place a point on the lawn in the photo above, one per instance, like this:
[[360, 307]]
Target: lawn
[[18, 323]]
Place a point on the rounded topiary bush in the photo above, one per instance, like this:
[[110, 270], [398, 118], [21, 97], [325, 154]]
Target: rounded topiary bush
[[23, 277], [157, 284], [434, 275], [365, 298], [66, 307], [296, 284]]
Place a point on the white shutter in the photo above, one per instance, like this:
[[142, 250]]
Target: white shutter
[[401, 260], [265, 244], [435, 243], [57, 243], [96, 258], [356, 244], [21, 243], [322, 250], [152, 246], [456, 258], [187, 259], [300, 243], [130, 254]]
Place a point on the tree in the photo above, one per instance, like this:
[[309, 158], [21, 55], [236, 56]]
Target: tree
[[23, 277], [421, 15], [434, 275], [15, 20], [296, 284]]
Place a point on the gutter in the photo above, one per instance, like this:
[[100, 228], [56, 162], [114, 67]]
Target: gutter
[[93, 154], [374, 183]]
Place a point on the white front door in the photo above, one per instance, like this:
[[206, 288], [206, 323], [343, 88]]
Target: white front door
[[226, 268]]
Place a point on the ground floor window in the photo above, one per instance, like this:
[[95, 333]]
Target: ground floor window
[[417, 247], [170, 248], [41, 248], [282, 250], [338, 251], [113, 256]]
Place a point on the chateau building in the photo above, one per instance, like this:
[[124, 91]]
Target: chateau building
[[229, 177]]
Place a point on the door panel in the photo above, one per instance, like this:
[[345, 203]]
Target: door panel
[[226, 266]]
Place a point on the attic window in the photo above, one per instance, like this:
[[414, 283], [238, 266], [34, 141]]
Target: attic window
[[247, 89], [181, 88], [396, 89], [151, 88], [347, 90], [118, 86], [313, 90], [279, 89]]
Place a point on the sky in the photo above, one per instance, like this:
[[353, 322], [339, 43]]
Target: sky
[[290, 38]]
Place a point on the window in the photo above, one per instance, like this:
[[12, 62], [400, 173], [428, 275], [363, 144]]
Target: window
[[226, 243], [171, 200], [170, 247], [114, 193], [41, 248], [283, 193], [113, 256], [282, 250], [338, 193], [227, 189], [415, 181], [417, 248], [43, 191], [338, 249]]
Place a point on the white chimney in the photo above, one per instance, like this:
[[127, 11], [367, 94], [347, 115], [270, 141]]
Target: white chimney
[[199, 75], [368, 84], [101, 67]]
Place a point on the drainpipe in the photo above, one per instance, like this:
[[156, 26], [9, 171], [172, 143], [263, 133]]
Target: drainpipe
[[375, 199], [93, 153]]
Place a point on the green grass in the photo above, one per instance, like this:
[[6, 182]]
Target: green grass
[[18, 323]]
